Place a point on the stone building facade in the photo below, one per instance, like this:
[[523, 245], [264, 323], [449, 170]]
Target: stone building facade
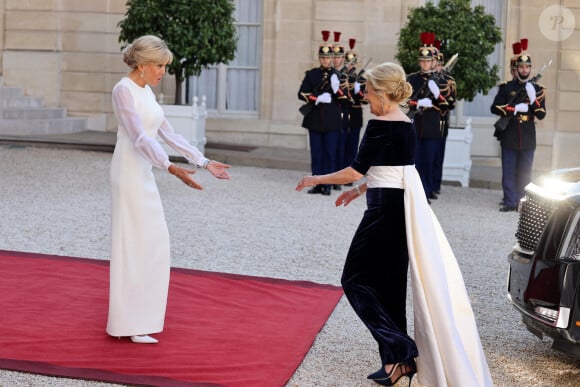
[[67, 52]]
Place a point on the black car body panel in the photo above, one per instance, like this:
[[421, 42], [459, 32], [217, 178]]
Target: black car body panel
[[544, 265]]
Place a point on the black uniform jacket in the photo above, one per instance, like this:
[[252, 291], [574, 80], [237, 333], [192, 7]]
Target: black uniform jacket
[[428, 121], [356, 100], [450, 95], [521, 131], [324, 117]]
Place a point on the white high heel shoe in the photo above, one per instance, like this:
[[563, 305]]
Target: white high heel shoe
[[144, 339]]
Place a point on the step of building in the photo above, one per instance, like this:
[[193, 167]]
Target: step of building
[[10, 92], [31, 127], [22, 115], [21, 102], [15, 113]]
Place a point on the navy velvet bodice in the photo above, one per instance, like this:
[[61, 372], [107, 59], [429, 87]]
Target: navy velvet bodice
[[386, 143]]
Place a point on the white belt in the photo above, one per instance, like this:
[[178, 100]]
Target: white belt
[[386, 176]]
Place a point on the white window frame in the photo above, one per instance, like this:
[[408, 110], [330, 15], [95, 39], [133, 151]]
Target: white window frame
[[221, 110]]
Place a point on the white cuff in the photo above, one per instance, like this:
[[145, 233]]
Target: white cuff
[[203, 163]]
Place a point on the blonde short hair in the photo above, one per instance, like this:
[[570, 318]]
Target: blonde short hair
[[147, 49], [389, 78]]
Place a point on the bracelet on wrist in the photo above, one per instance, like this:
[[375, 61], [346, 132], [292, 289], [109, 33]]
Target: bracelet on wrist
[[205, 164], [357, 188]]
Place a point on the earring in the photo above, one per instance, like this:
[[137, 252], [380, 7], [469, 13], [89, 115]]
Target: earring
[[142, 74], [382, 105]]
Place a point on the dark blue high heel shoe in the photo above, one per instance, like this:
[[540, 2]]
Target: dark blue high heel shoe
[[386, 379], [382, 377], [379, 374], [408, 369]]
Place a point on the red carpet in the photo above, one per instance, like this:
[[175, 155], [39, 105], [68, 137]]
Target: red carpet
[[220, 329]]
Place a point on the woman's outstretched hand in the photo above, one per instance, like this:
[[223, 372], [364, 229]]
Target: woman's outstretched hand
[[183, 174], [218, 169], [306, 181], [346, 197]]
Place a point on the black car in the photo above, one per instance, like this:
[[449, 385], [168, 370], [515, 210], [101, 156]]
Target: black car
[[544, 266]]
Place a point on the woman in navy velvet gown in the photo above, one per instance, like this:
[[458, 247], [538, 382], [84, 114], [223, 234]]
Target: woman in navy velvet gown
[[399, 228]]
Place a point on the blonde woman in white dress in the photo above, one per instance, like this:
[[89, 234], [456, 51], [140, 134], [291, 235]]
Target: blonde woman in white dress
[[140, 259]]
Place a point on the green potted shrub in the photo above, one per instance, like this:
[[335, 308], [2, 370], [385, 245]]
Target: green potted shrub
[[200, 33], [467, 31]]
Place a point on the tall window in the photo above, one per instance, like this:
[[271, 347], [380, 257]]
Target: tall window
[[481, 103], [234, 88]]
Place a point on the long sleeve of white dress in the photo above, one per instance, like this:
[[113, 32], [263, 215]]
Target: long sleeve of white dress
[[147, 146]]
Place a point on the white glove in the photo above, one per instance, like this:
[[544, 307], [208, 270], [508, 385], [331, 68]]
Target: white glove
[[434, 88], [424, 102], [356, 87], [531, 90], [323, 98], [334, 83], [521, 107]]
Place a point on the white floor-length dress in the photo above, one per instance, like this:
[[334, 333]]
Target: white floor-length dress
[[140, 255]]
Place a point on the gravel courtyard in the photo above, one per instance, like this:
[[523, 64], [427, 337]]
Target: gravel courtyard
[[57, 201]]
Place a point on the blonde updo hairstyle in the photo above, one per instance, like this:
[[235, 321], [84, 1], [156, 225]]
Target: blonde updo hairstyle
[[389, 78], [147, 49]]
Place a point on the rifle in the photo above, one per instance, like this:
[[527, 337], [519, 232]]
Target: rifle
[[448, 67], [362, 71], [435, 76], [358, 77], [308, 106], [502, 123]]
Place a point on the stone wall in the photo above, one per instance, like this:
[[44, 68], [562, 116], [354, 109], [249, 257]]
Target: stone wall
[[292, 34], [558, 134], [67, 52], [566, 107]]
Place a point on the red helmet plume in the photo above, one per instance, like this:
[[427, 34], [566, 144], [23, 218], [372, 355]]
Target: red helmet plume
[[351, 43]]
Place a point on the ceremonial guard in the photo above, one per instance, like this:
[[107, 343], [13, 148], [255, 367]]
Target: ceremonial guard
[[356, 87], [338, 64], [321, 92], [517, 50], [426, 106], [520, 101], [450, 94]]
